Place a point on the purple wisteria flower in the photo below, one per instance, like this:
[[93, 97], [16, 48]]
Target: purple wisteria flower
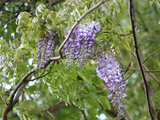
[[79, 47], [109, 71], [46, 47]]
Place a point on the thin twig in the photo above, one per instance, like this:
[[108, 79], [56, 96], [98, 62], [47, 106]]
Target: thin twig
[[2, 103], [127, 34], [8, 22], [51, 115], [129, 76], [145, 68], [82, 111], [127, 114], [135, 69], [77, 22], [14, 0], [152, 75], [142, 20], [151, 55], [55, 107], [56, 2], [131, 12], [84, 115], [2, 4], [42, 75], [129, 64], [10, 104], [109, 112]]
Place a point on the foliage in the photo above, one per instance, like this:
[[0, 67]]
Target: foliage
[[81, 93]]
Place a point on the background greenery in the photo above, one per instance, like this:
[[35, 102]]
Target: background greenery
[[77, 93]]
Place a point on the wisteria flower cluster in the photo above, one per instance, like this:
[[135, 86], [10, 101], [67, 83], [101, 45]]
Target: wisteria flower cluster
[[46, 47], [109, 71], [80, 45]]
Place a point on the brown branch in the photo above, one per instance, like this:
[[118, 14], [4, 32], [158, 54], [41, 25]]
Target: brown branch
[[11, 104], [2, 4], [77, 22], [109, 112], [135, 69], [14, 1], [123, 35], [153, 76], [151, 55], [112, 113], [142, 20], [42, 74], [51, 115], [82, 111], [127, 114], [50, 110], [145, 68], [151, 93], [2, 103], [55, 107], [24, 80], [56, 2], [129, 64], [49, 3], [129, 76], [131, 12], [128, 67], [10, 21], [84, 115]]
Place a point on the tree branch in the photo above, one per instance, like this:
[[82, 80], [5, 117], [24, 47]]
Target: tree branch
[[56, 2], [145, 68], [151, 55], [10, 21], [14, 1], [152, 75], [82, 111], [24, 80], [51, 115], [129, 64], [111, 112], [42, 75], [135, 69], [77, 22], [122, 35], [2, 4], [131, 12], [55, 107]]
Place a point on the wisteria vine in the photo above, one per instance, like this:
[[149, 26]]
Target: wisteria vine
[[80, 47]]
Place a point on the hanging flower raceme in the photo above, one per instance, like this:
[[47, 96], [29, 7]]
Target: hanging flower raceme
[[109, 71], [46, 47], [79, 47]]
